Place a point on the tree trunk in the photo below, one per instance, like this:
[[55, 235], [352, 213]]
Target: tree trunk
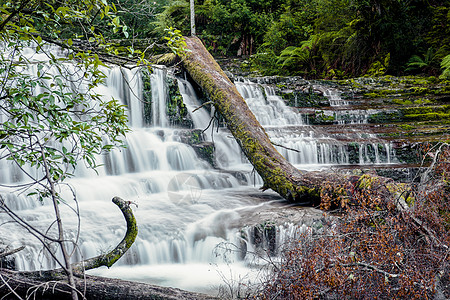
[[192, 11], [277, 173]]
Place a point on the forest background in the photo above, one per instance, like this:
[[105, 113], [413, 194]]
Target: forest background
[[318, 38]]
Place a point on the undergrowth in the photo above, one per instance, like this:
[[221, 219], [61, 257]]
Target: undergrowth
[[379, 248]]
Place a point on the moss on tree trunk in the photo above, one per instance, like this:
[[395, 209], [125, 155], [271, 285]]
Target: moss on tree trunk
[[277, 173]]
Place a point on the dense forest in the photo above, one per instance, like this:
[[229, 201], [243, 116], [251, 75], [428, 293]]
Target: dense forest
[[332, 39], [322, 38]]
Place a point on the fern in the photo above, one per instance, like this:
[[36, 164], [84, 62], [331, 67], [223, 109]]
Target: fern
[[293, 57], [415, 62], [418, 63], [296, 58], [445, 64]]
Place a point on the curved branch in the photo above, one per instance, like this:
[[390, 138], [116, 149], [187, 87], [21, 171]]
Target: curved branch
[[111, 257]]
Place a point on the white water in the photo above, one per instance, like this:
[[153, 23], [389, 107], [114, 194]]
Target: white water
[[301, 144], [269, 109]]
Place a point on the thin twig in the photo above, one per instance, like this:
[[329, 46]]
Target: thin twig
[[9, 287], [204, 104], [291, 149]]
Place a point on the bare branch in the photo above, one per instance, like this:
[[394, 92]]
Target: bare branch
[[3, 254]]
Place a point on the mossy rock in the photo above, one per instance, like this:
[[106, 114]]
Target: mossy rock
[[304, 99], [191, 136], [206, 151]]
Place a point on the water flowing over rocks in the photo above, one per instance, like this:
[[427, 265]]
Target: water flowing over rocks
[[195, 188]]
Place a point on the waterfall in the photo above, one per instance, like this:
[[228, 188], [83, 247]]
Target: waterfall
[[181, 219], [307, 147], [268, 108], [192, 218], [228, 152], [334, 97], [159, 97]]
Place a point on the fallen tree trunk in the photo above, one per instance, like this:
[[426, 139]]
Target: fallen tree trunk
[[277, 173], [31, 285]]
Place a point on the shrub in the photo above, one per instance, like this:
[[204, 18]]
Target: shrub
[[445, 65], [376, 248]]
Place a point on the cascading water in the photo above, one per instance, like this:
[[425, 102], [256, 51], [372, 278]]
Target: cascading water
[[180, 217], [228, 153], [301, 144], [159, 97], [269, 110]]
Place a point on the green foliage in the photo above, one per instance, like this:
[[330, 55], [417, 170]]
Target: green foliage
[[349, 38], [445, 65], [175, 41], [352, 37], [139, 16], [173, 15], [293, 26], [427, 63], [226, 27], [39, 105], [379, 68], [438, 35], [175, 108], [294, 59]]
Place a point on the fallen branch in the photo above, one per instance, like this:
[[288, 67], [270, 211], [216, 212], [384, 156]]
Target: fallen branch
[[3, 254], [373, 268], [287, 148], [204, 104], [111, 257], [360, 264]]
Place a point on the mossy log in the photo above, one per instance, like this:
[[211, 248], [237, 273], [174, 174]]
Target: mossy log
[[277, 173], [112, 256]]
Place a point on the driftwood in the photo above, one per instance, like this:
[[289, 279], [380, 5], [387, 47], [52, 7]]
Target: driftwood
[[277, 173], [111, 257]]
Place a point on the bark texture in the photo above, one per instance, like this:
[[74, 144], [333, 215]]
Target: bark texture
[[278, 174]]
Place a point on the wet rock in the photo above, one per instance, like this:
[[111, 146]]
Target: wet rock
[[205, 150], [195, 138]]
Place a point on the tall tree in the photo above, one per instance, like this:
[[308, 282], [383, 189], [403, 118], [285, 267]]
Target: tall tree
[[192, 9]]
